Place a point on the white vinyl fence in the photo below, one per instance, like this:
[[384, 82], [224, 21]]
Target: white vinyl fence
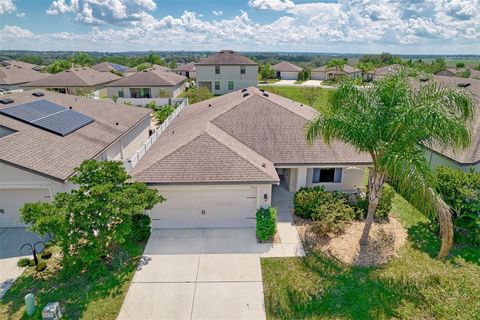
[[131, 163]]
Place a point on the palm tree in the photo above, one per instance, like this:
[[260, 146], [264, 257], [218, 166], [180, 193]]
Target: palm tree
[[392, 121]]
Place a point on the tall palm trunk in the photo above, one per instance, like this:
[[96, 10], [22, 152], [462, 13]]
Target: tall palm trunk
[[376, 180]]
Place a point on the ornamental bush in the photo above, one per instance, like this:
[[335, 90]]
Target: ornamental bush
[[23, 262], [266, 223], [140, 227], [332, 216], [306, 200]]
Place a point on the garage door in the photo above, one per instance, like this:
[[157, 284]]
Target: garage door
[[11, 200], [206, 208]]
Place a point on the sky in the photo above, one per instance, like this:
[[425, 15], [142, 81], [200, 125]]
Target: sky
[[340, 26]]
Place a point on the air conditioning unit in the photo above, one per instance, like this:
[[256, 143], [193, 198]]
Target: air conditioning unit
[[52, 311]]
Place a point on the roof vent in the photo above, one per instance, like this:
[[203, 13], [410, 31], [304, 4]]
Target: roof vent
[[265, 95], [246, 94], [264, 165], [209, 104], [263, 90], [38, 94], [70, 108], [463, 84], [301, 105], [173, 131], [6, 101], [423, 79], [116, 123], [243, 90]]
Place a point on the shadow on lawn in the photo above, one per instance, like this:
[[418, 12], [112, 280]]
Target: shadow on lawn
[[74, 291]]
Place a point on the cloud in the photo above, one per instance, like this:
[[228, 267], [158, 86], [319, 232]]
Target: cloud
[[217, 13], [21, 15], [7, 6], [95, 12], [276, 5]]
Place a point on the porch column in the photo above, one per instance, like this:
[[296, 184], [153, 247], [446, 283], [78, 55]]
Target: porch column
[[301, 178]]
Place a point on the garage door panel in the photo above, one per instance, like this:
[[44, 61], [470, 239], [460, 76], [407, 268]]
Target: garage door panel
[[205, 208], [11, 200]]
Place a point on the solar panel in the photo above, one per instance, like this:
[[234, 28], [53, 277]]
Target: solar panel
[[48, 116]]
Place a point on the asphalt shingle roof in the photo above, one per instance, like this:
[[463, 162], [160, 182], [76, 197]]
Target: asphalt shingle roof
[[149, 77], [18, 72], [226, 57], [286, 67], [74, 77]]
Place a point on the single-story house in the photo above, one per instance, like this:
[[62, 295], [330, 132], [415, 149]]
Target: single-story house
[[14, 73], [78, 81], [382, 72], [330, 73], [469, 158], [109, 67], [459, 72], [147, 84], [44, 135], [218, 159], [286, 71], [187, 70]]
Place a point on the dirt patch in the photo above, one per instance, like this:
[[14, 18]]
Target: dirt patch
[[386, 237]]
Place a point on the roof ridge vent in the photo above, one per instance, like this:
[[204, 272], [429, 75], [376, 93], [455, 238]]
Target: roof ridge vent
[[6, 100], [463, 84], [246, 94], [38, 94], [262, 90], [265, 94], [245, 89]]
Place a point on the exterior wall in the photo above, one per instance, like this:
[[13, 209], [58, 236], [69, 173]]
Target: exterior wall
[[318, 75], [289, 75], [174, 91], [435, 160], [227, 73], [190, 74], [9, 87], [297, 177]]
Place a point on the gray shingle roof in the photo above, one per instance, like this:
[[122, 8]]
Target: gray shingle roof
[[186, 67], [56, 156], [264, 131], [226, 57], [149, 77], [74, 77], [286, 67], [346, 68]]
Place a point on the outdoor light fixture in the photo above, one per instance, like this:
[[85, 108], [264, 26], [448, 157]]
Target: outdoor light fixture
[[265, 197]]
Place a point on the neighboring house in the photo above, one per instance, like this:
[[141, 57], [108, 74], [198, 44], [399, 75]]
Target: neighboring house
[[331, 73], [469, 158], [458, 72], [382, 72], [13, 74], [38, 156], [187, 70], [109, 67], [217, 161], [147, 84], [161, 68], [226, 71], [77, 81], [286, 71]]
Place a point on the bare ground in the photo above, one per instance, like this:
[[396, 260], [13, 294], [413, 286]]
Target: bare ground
[[386, 238]]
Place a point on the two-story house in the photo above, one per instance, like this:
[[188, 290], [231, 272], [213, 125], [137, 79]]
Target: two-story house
[[226, 71]]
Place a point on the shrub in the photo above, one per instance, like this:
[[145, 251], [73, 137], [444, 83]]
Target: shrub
[[140, 227], [384, 204], [163, 113], [46, 254], [307, 199], [266, 223], [23, 262], [332, 216], [41, 266]]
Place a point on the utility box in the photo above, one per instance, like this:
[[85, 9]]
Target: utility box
[[52, 311]]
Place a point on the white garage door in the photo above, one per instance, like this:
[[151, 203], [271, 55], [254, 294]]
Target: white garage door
[[206, 208], [11, 200]]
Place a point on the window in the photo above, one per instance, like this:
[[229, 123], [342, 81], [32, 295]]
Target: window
[[217, 69], [120, 93], [217, 85], [230, 85], [321, 175], [242, 69]]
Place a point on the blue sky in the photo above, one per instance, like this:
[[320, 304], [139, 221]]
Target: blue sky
[[355, 26]]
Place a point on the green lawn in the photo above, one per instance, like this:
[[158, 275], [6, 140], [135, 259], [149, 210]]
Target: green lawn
[[412, 286], [296, 93], [81, 297]]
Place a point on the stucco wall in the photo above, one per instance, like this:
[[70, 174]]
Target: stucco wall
[[436, 160], [227, 73], [174, 91]]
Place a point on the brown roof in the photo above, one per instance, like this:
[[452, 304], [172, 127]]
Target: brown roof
[[55, 156], [161, 68], [74, 77], [346, 68], [186, 67], [286, 67], [233, 138], [453, 72], [226, 57], [149, 77], [18, 72], [387, 70], [471, 155]]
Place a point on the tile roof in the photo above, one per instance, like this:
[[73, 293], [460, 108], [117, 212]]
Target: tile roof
[[109, 66], [55, 156], [286, 67], [17, 72], [74, 77], [264, 131], [149, 77], [226, 57]]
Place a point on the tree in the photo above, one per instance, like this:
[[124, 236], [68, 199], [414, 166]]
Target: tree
[[392, 120], [172, 64], [58, 66], [311, 94], [460, 64], [163, 93], [155, 59], [266, 72], [90, 222], [337, 64], [82, 59], [304, 74], [438, 64], [198, 94], [143, 66]]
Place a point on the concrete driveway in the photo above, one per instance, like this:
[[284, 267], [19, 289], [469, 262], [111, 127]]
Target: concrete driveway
[[200, 274], [11, 240]]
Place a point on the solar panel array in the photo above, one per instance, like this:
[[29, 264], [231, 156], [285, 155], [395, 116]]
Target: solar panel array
[[48, 116]]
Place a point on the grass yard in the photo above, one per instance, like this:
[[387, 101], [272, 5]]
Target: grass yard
[[296, 93], [412, 286], [81, 297]]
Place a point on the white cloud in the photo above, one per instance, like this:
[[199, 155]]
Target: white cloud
[[277, 5], [217, 13], [14, 32], [21, 15], [7, 6]]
